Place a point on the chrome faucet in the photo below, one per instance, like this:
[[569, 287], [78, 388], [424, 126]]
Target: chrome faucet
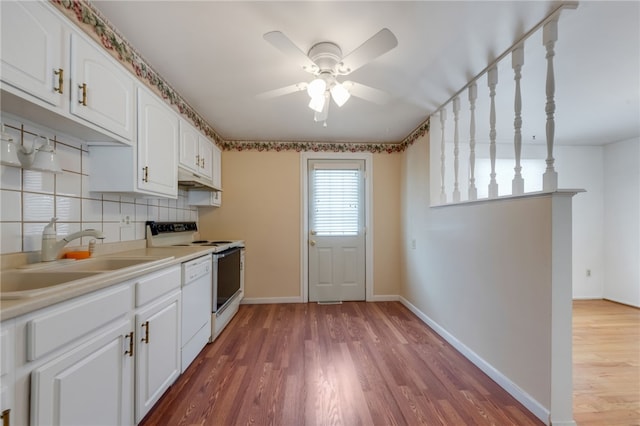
[[51, 248]]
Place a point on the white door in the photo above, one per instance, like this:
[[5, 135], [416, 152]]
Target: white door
[[158, 352], [336, 230], [89, 385], [34, 51], [158, 138], [103, 92]]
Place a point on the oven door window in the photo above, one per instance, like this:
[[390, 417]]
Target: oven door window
[[228, 277]]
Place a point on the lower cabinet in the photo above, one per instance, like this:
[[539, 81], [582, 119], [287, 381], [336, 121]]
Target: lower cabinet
[[104, 358], [90, 384], [158, 351], [7, 372]]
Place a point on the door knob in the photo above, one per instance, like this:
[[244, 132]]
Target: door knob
[[312, 242], [314, 232]]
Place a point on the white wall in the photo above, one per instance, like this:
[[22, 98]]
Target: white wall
[[29, 199], [578, 167], [483, 274], [622, 221]]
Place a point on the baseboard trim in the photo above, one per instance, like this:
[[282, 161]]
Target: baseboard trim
[[384, 298], [514, 390], [269, 300]]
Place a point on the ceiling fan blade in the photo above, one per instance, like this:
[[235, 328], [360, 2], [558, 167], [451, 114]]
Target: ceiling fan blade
[[366, 92], [380, 43], [282, 91], [286, 46]]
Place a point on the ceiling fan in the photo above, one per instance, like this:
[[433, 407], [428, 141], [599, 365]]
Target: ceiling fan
[[325, 61]]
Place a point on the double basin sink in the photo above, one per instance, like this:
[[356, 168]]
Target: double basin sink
[[44, 278]]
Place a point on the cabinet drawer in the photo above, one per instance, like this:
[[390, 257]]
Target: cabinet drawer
[[58, 327], [155, 285]]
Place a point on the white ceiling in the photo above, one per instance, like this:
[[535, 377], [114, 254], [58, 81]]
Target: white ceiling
[[214, 55]]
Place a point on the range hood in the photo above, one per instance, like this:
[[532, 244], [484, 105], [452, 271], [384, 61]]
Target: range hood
[[190, 180]]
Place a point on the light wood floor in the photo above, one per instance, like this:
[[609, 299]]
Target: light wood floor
[[350, 364], [606, 363]]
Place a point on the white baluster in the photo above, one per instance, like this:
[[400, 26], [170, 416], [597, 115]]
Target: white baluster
[[473, 95], [492, 80], [517, 61], [456, 150], [549, 38], [443, 119]]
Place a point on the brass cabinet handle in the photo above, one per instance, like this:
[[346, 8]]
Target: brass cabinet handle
[[60, 73], [145, 339], [83, 86], [130, 351], [145, 174], [198, 160], [202, 162], [6, 417]]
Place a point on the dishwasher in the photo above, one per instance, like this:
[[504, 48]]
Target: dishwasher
[[196, 307]]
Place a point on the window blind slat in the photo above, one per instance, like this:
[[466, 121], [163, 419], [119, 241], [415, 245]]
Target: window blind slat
[[336, 202]]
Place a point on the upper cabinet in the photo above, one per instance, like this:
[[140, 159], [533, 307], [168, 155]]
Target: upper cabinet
[[217, 167], [158, 133], [61, 79], [196, 151], [35, 48], [102, 91], [150, 168]]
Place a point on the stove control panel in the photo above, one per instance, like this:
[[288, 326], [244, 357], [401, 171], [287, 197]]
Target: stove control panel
[[157, 228]]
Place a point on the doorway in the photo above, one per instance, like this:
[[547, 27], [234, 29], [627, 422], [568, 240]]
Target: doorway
[[336, 238]]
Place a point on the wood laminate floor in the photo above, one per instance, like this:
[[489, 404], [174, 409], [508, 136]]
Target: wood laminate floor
[[606, 363], [350, 364]]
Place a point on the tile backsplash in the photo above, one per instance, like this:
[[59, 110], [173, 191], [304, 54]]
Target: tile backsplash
[[29, 199]]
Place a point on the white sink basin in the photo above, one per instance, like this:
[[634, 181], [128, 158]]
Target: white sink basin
[[19, 284], [47, 277]]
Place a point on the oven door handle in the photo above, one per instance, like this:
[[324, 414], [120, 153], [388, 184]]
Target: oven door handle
[[227, 252]]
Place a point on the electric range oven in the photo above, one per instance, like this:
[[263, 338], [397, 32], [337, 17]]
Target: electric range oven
[[227, 266]]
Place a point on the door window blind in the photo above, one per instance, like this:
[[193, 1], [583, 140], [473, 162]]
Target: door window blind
[[336, 201]]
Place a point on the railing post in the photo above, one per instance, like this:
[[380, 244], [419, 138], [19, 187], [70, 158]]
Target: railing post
[[517, 61], [492, 80], [456, 150], [473, 95], [549, 38], [443, 119]]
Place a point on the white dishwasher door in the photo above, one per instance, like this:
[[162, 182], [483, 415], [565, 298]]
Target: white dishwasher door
[[196, 308]]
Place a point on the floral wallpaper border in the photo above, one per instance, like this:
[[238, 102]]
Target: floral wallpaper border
[[89, 19]]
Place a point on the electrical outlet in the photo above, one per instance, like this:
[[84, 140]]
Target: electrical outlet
[[125, 221]]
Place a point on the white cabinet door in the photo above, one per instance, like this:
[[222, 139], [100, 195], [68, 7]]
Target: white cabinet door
[[205, 157], [90, 384], [33, 64], [217, 167], [7, 370], [189, 140], [158, 135], [158, 351], [196, 151], [102, 92]]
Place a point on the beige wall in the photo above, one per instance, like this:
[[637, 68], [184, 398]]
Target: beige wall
[[261, 204], [386, 224], [494, 278]]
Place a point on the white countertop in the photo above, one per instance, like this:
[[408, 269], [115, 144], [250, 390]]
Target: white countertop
[[174, 255]]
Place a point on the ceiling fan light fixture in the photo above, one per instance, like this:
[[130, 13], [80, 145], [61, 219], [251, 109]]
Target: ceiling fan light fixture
[[340, 94], [316, 88], [317, 103]]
